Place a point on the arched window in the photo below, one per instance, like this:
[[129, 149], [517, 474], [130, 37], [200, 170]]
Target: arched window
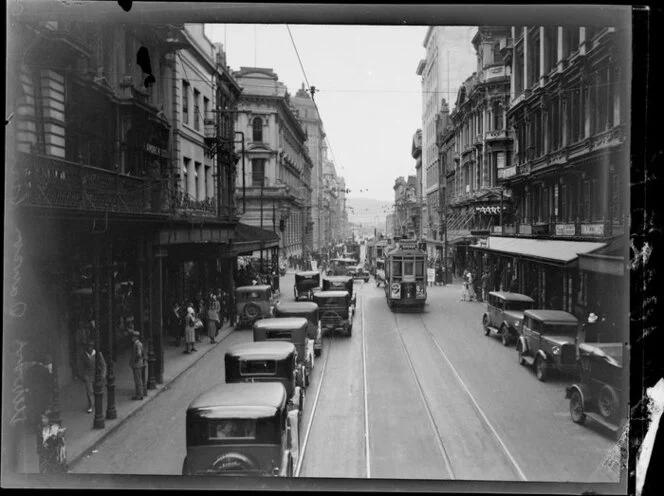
[[257, 125]]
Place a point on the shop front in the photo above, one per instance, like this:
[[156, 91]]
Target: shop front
[[546, 270]]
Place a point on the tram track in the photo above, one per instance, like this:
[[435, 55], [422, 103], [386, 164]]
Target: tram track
[[411, 366], [439, 438]]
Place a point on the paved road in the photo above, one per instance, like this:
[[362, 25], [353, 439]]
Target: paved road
[[442, 401]]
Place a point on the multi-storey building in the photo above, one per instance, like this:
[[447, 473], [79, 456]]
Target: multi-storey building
[[481, 145], [449, 58], [406, 208], [93, 215], [565, 240], [313, 127], [277, 177]]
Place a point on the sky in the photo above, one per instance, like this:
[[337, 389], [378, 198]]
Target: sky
[[368, 93]]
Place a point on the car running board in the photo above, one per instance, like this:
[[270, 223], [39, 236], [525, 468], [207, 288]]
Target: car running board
[[601, 420]]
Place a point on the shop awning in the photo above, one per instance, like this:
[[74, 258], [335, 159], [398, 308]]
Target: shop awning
[[611, 259], [251, 238], [543, 249]]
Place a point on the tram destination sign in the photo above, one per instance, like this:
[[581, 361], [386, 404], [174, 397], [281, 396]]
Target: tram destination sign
[[408, 245]]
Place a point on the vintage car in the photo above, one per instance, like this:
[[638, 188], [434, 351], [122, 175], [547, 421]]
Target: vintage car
[[267, 361], [341, 266], [601, 392], [359, 272], [504, 314], [242, 429], [340, 283], [252, 303], [548, 342], [305, 284], [309, 311], [294, 330], [336, 311]]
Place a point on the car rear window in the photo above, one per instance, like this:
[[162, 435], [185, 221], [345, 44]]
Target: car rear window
[[258, 367], [279, 334], [232, 429], [518, 305]]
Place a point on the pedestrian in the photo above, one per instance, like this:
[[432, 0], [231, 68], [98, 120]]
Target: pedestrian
[[471, 287], [89, 359], [464, 286], [137, 364], [189, 322], [175, 323], [83, 335], [485, 285], [201, 313], [213, 318]]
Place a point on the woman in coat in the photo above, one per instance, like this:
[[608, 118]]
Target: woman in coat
[[213, 317]]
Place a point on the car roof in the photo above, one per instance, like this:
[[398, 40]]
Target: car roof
[[296, 306], [258, 287], [241, 400], [343, 260], [338, 278], [552, 316], [323, 294], [261, 350], [512, 296], [281, 323], [307, 273]]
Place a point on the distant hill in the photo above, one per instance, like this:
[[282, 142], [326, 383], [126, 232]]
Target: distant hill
[[368, 211]]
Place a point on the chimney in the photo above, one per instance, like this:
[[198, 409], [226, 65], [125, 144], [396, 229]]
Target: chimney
[[220, 54]]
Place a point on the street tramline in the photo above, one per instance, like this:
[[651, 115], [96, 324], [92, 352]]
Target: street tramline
[[406, 276]]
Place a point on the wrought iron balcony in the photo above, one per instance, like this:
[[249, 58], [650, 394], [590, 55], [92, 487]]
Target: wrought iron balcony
[[44, 181], [185, 204]]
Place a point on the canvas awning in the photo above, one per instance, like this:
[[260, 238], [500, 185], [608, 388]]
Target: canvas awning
[[552, 250], [249, 239]]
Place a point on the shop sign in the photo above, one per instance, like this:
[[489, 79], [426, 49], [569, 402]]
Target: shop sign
[[592, 229], [565, 229], [155, 150], [507, 172]]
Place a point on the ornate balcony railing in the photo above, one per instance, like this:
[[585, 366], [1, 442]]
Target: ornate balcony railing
[[185, 203], [43, 181]]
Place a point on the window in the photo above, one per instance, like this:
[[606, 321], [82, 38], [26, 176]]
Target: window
[[185, 176], [534, 62], [572, 40], [258, 367], [497, 116], [576, 113], [206, 108], [616, 199], [197, 110], [185, 102], [257, 128], [233, 429], [551, 48], [408, 269], [258, 171], [199, 181]]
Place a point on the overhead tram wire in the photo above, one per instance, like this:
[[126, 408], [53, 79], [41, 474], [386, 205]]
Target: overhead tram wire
[[312, 90]]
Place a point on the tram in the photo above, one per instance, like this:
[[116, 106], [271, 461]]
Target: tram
[[406, 276]]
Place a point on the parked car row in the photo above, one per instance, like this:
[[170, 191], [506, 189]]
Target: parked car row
[[251, 424], [548, 341]]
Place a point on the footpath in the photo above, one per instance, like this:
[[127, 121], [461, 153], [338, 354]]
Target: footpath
[[80, 436]]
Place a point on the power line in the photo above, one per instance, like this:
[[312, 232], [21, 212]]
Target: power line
[[312, 90]]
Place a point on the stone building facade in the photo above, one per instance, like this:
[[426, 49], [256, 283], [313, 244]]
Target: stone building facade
[[276, 181]]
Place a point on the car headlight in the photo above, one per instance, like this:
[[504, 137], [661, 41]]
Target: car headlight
[[517, 323], [555, 350]]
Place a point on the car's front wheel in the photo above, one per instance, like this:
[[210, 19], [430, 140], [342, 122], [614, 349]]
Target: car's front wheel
[[485, 324], [540, 369], [607, 403], [576, 408], [505, 335]]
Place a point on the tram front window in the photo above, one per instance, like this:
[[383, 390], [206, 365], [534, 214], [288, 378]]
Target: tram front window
[[408, 268], [419, 268], [396, 269]]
